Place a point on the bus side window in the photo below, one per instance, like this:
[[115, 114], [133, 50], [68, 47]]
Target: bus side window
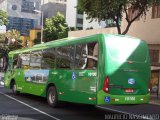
[[92, 55], [35, 59], [15, 61], [25, 58], [19, 62], [81, 56], [95, 50], [65, 57], [48, 58], [86, 56]]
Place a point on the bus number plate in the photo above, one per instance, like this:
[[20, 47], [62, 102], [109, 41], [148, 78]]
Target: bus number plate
[[130, 98]]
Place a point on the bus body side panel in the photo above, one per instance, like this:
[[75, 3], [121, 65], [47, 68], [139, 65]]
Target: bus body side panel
[[101, 66], [19, 79], [33, 81], [75, 86]]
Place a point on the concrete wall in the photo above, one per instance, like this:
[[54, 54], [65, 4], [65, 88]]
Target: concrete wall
[[71, 13], [3, 5], [147, 29], [56, 1], [94, 24], [82, 33], [50, 9]]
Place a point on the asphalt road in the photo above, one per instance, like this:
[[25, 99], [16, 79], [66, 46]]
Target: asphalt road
[[29, 107]]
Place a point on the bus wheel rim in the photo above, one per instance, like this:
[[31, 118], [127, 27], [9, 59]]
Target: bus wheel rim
[[51, 97], [14, 88]]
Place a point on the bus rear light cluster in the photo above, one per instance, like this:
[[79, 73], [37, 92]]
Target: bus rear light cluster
[[106, 85], [149, 86]]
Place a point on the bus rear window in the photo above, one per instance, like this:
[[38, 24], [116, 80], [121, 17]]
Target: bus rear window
[[127, 49]]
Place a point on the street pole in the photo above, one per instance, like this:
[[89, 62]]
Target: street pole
[[42, 22], [42, 28], [41, 12]]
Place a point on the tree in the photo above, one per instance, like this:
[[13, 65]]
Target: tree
[[55, 28], [3, 21], [8, 41], [3, 18], [13, 40], [38, 39], [115, 9], [3, 48]]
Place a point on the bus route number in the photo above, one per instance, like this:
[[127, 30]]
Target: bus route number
[[130, 98]]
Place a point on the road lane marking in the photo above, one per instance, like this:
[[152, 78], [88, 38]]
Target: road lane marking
[[30, 106], [122, 112]]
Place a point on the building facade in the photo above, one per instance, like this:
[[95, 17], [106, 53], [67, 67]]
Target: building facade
[[22, 15], [3, 6], [74, 18], [71, 13], [77, 19], [51, 7], [147, 28]]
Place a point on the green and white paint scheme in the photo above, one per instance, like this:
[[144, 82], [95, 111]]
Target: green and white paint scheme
[[122, 74]]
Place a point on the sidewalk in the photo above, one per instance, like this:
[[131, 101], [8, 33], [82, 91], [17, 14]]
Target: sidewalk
[[155, 100]]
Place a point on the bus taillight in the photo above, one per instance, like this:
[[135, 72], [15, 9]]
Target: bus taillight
[[106, 85], [149, 86]]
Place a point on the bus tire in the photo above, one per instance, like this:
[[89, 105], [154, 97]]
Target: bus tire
[[14, 88], [52, 97]]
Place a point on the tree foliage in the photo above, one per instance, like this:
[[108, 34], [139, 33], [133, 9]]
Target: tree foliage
[[13, 34], [8, 41], [115, 9], [38, 39], [55, 28], [3, 18], [13, 39]]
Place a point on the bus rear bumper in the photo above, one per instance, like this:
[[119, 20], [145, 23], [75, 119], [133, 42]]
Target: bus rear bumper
[[104, 98]]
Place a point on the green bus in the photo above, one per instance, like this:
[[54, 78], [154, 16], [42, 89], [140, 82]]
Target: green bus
[[97, 69]]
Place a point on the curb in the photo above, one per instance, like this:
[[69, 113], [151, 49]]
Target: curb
[[154, 103]]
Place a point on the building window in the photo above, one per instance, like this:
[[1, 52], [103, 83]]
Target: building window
[[154, 81], [79, 21], [29, 7], [132, 14], [156, 11], [154, 57], [21, 24], [110, 23], [79, 28]]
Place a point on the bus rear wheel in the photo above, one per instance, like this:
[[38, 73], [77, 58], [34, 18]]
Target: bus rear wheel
[[52, 97], [14, 88]]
